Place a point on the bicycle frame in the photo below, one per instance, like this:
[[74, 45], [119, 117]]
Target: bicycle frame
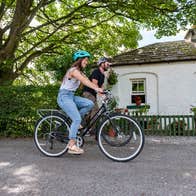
[[94, 119], [102, 111]]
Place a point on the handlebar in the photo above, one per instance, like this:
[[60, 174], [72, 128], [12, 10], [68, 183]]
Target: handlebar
[[108, 96], [106, 92]]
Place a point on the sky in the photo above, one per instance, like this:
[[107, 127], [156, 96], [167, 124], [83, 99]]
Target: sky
[[148, 38]]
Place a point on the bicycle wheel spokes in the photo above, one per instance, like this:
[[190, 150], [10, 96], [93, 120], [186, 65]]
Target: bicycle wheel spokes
[[121, 140], [51, 135]]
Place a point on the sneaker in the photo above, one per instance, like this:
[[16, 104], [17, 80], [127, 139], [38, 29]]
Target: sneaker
[[75, 150]]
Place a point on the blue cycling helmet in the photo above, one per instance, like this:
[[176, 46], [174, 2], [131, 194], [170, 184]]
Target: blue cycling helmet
[[80, 54]]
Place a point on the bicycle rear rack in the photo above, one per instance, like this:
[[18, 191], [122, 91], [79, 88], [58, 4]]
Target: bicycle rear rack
[[43, 112]]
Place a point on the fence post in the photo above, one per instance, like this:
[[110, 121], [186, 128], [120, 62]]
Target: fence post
[[194, 123]]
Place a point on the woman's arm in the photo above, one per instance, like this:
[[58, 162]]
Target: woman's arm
[[82, 78]]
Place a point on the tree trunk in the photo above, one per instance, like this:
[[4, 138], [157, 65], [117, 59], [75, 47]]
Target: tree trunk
[[7, 77]]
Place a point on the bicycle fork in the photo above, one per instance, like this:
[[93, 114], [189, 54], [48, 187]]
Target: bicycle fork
[[116, 128]]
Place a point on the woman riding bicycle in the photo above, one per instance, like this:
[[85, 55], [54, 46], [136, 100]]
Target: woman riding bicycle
[[75, 106]]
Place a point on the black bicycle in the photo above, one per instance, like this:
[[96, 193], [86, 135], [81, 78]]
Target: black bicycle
[[119, 136]]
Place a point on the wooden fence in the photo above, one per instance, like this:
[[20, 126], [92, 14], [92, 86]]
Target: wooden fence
[[170, 125], [162, 125]]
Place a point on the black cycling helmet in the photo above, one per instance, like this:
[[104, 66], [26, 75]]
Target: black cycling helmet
[[81, 54]]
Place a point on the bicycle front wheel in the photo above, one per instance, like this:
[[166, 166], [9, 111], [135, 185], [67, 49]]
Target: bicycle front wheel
[[120, 138], [51, 135]]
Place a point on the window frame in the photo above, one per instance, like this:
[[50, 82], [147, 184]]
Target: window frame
[[138, 93]]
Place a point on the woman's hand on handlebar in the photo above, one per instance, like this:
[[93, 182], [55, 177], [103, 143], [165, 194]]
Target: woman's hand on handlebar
[[99, 90]]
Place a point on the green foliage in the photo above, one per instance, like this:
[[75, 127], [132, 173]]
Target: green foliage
[[177, 127], [55, 67], [153, 122], [48, 28], [144, 110], [113, 104], [113, 77], [193, 109], [18, 107], [140, 109]]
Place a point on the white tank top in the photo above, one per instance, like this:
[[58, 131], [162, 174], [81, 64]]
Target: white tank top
[[70, 83]]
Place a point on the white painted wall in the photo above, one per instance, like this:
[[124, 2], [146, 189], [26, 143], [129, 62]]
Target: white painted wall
[[170, 87]]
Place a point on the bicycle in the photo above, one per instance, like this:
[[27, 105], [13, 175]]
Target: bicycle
[[119, 136]]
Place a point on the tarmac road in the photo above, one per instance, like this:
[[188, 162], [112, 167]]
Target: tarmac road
[[166, 167]]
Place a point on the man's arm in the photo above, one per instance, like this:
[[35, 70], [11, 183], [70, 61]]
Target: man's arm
[[95, 81]]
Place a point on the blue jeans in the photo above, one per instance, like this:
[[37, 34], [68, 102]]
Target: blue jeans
[[75, 107]]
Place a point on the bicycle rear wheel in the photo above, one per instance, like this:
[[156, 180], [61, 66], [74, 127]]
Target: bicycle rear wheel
[[120, 138], [51, 135]]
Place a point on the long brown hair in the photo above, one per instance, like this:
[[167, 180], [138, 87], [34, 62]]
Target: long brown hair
[[78, 63]]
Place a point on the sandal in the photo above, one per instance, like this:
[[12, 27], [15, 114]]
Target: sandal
[[75, 150]]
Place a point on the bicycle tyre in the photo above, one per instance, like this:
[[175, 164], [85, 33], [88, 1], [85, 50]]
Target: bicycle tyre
[[125, 146], [51, 135], [122, 143]]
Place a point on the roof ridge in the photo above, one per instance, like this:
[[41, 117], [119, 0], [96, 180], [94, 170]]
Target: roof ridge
[[158, 52]]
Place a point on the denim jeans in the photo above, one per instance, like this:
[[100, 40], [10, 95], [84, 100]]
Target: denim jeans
[[75, 107]]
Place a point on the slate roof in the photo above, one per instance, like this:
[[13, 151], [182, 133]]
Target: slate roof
[[158, 52]]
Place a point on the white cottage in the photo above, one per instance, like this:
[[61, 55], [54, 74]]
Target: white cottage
[[162, 74]]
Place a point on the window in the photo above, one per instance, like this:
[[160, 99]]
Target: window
[[138, 90]]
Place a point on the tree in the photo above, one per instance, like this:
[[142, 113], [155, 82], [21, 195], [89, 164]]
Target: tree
[[32, 28]]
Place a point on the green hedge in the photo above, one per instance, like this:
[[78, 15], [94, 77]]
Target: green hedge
[[18, 107]]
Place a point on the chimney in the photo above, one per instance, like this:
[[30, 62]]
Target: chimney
[[191, 35]]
